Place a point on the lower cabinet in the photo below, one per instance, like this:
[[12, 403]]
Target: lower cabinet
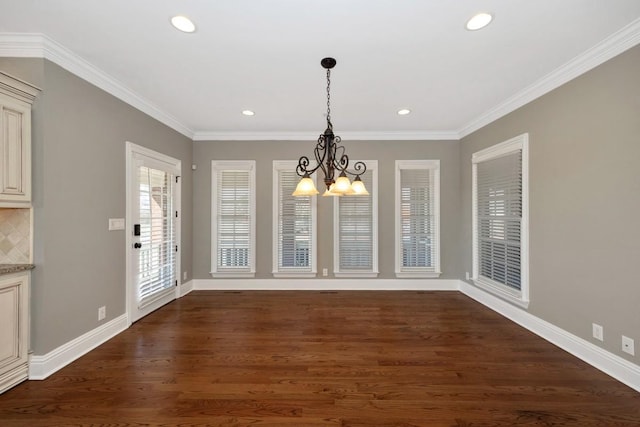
[[14, 329]]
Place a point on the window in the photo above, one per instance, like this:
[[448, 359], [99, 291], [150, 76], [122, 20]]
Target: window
[[500, 219], [157, 256], [294, 225], [233, 229], [417, 218], [356, 229]]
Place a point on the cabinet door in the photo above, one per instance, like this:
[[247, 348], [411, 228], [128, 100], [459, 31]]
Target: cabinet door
[[15, 155], [14, 333]]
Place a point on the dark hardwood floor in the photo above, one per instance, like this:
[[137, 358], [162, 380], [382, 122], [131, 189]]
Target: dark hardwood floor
[[324, 359]]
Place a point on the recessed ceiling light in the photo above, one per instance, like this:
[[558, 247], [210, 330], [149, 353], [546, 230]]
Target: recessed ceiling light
[[248, 112], [403, 112], [183, 23], [478, 21]]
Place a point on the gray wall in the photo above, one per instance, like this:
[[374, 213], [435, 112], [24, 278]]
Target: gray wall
[[78, 183], [386, 152], [584, 142], [585, 199]]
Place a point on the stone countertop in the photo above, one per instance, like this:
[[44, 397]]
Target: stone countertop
[[15, 268]]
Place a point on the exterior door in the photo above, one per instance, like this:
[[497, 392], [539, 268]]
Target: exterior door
[[153, 228]]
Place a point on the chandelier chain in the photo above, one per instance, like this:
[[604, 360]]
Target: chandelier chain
[[329, 97]]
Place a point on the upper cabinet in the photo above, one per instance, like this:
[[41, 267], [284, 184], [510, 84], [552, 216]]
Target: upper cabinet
[[16, 98]]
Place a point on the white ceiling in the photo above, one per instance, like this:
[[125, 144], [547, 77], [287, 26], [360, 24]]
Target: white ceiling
[[264, 55]]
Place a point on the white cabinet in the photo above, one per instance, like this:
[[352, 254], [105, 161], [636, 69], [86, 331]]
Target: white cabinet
[[14, 329], [16, 98]]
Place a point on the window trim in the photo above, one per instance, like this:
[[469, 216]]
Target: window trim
[[292, 272], [221, 165], [417, 272], [521, 297], [372, 165]]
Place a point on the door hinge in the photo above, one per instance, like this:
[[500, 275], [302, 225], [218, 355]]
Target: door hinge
[[177, 177], [176, 248], [176, 283], [176, 214]]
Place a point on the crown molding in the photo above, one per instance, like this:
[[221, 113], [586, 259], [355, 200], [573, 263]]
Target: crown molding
[[253, 136], [41, 46], [312, 136], [615, 44]]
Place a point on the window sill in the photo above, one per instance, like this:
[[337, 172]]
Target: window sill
[[512, 296], [293, 274], [356, 274], [417, 274], [233, 274]]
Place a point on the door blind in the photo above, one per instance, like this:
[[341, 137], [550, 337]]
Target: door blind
[[499, 217], [417, 219], [355, 229], [294, 225], [234, 219], [157, 260]]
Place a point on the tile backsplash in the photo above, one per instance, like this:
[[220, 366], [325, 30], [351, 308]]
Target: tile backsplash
[[15, 236]]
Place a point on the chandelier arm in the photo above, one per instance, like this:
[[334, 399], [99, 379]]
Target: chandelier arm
[[334, 153], [304, 162], [341, 160], [321, 154], [301, 169], [360, 168]]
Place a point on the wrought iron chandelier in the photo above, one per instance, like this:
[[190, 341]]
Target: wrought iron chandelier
[[331, 158]]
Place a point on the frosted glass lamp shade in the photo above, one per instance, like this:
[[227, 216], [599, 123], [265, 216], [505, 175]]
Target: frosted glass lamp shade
[[358, 187], [305, 187], [342, 184], [331, 191]]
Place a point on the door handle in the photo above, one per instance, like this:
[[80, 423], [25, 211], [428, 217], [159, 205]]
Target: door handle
[[137, 245]]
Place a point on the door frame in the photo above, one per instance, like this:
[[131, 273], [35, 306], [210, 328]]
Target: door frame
[[131, 150]]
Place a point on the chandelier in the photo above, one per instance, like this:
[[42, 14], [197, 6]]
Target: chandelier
[[331, 158]]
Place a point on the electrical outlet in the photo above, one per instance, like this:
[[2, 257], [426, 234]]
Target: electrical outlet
[[184, 275], [467, 275], [325, 272], [598, 332], [102, 312], [628, 345]]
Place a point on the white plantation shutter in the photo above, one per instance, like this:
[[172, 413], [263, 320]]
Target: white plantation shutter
[[294, 230], [234, 218], [157, 256], [499, 215], [356, 229], [500, 219], [417, 212]]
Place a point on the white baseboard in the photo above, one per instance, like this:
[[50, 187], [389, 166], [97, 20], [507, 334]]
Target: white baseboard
[[185, 288], [609, 363], [40, 367], [326, 284]]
